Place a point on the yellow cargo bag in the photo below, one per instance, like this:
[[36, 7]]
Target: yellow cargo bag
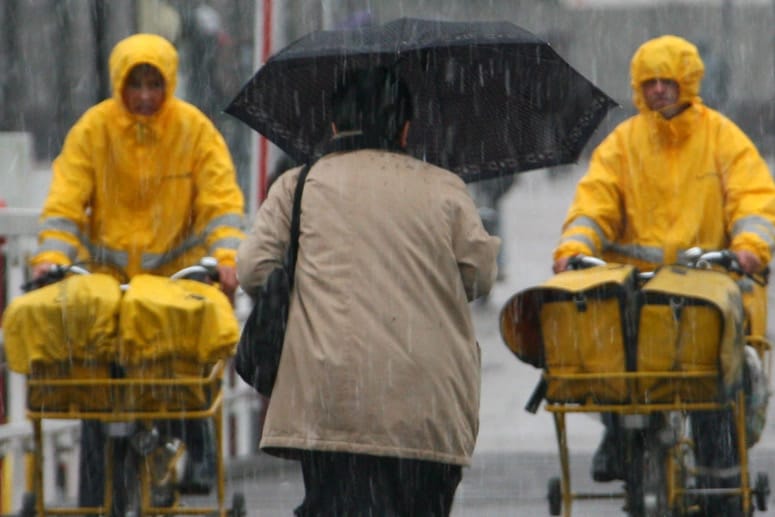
[[754, 307], [161, 317], [578, 322], [73, 319], [691, 320]]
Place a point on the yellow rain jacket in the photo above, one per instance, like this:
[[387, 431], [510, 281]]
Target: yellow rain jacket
[[145, 193], [656, 187]]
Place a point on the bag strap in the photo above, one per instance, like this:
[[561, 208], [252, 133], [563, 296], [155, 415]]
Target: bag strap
[[293, 246]]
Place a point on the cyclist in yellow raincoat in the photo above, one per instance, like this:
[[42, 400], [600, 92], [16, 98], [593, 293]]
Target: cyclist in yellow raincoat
[[674, 176], [144, 184], [148, 191]]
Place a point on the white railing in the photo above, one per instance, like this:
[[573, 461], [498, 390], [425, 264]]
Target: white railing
[[60, 441]]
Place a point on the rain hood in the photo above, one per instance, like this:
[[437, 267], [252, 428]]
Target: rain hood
[[143, 48], [667, 57]]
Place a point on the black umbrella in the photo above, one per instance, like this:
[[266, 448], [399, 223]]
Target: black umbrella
[[490, 98]]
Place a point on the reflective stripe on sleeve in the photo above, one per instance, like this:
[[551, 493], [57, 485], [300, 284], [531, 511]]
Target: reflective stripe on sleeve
[[231, 220], [61, 224], [757, 225], [590, 224], [230, 243], [58, 245], [583, 239]]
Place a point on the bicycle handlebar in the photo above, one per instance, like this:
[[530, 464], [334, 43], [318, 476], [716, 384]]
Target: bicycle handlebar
[[693, 257], [584, 261], [207, 267], [56, 273]]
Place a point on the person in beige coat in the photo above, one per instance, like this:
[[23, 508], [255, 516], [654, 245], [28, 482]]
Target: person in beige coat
[[377, 391]]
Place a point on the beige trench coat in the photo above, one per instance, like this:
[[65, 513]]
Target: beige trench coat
[[380, 355]]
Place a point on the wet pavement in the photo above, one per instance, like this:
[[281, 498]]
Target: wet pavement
[[512, 483]]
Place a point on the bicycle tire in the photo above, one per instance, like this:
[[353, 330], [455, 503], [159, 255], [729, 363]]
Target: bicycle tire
[[646, 483], [126, 480]]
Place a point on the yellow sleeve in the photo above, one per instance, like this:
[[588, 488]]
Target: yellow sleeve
[[594, 217], [750, 194], [219, 205], [64, 213]]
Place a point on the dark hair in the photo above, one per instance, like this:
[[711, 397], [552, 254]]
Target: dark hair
[[374, 101]]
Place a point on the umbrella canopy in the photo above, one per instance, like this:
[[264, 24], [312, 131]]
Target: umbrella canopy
[[490, 98]]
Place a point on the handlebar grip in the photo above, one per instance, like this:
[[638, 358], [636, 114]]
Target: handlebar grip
[[537, 396], [584, 261], [55, 274]]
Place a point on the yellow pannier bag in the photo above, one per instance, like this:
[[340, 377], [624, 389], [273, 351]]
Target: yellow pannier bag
[[755, 309], [72, 320], [691, 320], [577, 322], [161, 317]]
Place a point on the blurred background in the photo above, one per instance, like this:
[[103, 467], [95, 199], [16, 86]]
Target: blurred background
[[53, 54]]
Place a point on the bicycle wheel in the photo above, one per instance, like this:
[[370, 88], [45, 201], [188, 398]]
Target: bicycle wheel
[[646, 483], [126, 480]]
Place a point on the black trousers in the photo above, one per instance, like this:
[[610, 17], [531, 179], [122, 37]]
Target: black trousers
[[349, 485], [196, 434]]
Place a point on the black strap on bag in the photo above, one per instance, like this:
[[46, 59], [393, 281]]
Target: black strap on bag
[[261, 343], [293, 245]]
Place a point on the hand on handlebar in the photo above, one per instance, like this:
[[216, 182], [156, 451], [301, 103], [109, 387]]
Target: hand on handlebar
[[43, 274], [206, 271], [748, 262], [42, 269], [576, 262], [560, 265], [742, 262], [227, 276]]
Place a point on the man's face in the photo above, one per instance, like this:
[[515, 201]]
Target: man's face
[[660, 93], [143, 92]]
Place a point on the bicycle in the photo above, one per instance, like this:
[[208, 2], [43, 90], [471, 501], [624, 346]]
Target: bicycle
[[653, 403], [143, 464]]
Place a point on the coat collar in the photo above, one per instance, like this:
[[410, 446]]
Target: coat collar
[[355, 140], [676, 130]]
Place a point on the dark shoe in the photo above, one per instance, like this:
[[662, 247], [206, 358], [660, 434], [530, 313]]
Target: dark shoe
[[607, 463], [198, 479]]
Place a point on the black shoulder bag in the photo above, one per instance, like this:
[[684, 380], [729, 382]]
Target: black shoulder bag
[[261, 343]]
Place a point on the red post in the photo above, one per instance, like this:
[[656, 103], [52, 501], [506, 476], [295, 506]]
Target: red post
[[263, 144]]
